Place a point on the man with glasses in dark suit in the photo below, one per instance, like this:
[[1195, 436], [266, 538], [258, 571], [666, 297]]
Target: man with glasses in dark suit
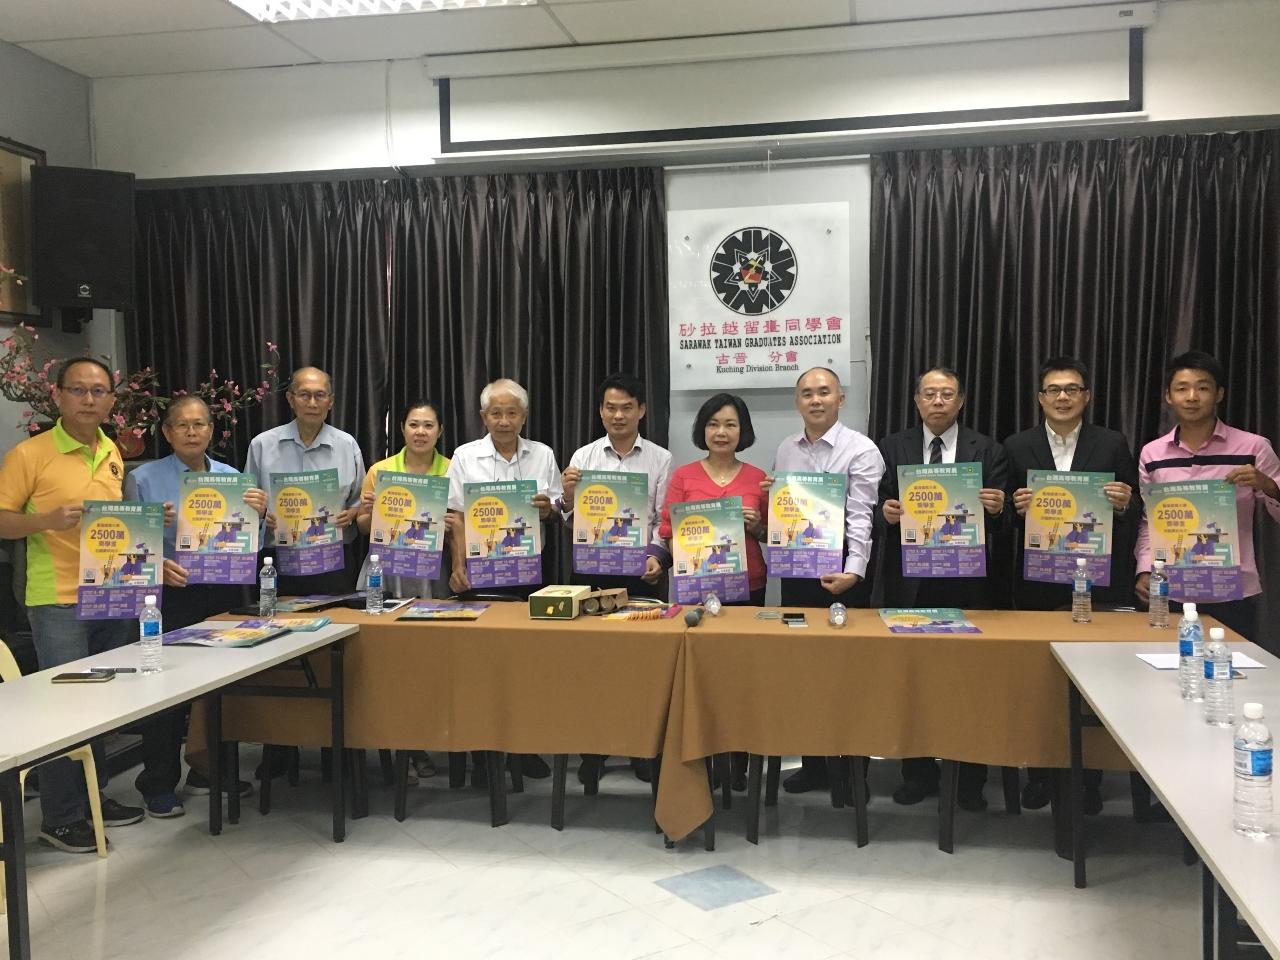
[[1065, 442], [939, 438]]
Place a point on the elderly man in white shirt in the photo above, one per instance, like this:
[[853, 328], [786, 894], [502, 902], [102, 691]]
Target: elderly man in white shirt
[[502, 454]]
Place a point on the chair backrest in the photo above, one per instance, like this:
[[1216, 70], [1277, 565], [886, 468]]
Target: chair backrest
[[8, 666]]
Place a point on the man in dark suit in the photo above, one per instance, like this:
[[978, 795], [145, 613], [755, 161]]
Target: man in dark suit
[[939, 397], [1065, 442]]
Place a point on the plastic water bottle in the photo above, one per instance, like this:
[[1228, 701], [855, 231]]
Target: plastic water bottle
[[1219, 704], [1158, 591], [150, 628], [267, 589], [1081, 598], [1252, 806], [838, 615], [1191, 654], [711, 603], [373, 586]]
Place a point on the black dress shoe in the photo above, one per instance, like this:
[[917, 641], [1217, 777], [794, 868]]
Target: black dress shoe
[[590, 770], [910, 792], [1036, 794], [642, 768], [973, 802], [802, 781], [534, 767], [1092, 800]]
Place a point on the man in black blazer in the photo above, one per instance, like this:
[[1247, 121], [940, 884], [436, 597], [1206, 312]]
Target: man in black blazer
[[939, 397], [1065, 442]]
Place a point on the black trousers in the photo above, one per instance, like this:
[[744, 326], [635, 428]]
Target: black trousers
[[812, 595], [162, 744]]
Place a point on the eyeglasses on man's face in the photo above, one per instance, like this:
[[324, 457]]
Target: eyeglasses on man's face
[[932, 393], [311, 396], [80, 392], [1072, 390], [190, 426]]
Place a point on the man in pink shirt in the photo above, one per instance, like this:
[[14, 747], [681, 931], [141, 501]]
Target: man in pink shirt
[[1202, 447]]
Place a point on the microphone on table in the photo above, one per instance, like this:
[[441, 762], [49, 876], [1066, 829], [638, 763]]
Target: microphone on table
[[693, 617]]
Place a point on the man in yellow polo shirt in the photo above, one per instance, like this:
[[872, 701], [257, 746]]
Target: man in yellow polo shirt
[[43, 485]]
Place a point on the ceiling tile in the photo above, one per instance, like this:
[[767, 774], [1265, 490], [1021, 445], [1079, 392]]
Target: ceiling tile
[[25, 20], [406, 35], [171, 52], [607, 21]]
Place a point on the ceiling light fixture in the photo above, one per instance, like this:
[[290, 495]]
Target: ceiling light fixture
[[277, 11]]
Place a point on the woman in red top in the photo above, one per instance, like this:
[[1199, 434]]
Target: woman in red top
[[722, 428]]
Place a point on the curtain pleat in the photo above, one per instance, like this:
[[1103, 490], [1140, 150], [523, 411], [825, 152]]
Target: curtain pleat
[[1121, 252]]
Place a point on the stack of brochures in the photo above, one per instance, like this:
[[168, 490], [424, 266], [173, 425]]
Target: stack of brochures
[[232, 635], [443, 610]]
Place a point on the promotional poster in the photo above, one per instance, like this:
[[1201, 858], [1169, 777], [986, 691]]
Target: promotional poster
[[503, 533], [943, 531], [407, 527], [610, 523], [217, 535], [806, 525], [707, 550], [121, 558], [307, 539], [1193, 529], [1069, 517]]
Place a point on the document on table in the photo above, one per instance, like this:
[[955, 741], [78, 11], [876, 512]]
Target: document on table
[[1169, 661]]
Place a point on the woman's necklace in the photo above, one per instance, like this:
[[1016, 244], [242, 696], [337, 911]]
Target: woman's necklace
[[723, 477]]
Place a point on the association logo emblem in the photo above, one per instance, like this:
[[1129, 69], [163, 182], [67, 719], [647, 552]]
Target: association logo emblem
[[753, 270]]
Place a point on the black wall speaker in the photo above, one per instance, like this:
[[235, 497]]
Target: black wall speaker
[[83, 237]]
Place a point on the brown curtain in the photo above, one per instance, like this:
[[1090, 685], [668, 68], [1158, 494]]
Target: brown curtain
[[554, 280], [1121, 252], [222, 270], [413, 287]]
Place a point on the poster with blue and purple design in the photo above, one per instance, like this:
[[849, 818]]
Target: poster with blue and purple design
[[407, 527], [1194, 529], [503, 533], [943, 530], [610, 523], [806, 525], [121, 558], [1069, 517], [707, 550], [217, 535], [306, 506]]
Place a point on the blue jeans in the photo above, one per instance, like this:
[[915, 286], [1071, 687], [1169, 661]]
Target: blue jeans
[[60, 638]]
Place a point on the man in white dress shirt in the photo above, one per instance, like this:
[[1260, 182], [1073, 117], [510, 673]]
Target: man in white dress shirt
[[502, 454], [622, 450]]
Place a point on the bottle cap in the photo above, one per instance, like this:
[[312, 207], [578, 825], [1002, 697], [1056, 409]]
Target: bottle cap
[[1158, 565], [268, 562], [373, 558], [149, 599], [1253, 711], [1189, 610], [1217, 633], [1081, 562]]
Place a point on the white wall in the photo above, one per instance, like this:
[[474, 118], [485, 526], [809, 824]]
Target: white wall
[[773, 412], [1204, 59], [47, 107]]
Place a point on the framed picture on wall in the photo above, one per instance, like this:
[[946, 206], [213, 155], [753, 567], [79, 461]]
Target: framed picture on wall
[[16, 244]]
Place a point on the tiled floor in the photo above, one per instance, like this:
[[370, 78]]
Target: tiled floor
[[445, 884]]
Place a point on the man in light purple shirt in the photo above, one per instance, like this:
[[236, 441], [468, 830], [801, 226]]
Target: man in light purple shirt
[[827, 446], [1202, 447]]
